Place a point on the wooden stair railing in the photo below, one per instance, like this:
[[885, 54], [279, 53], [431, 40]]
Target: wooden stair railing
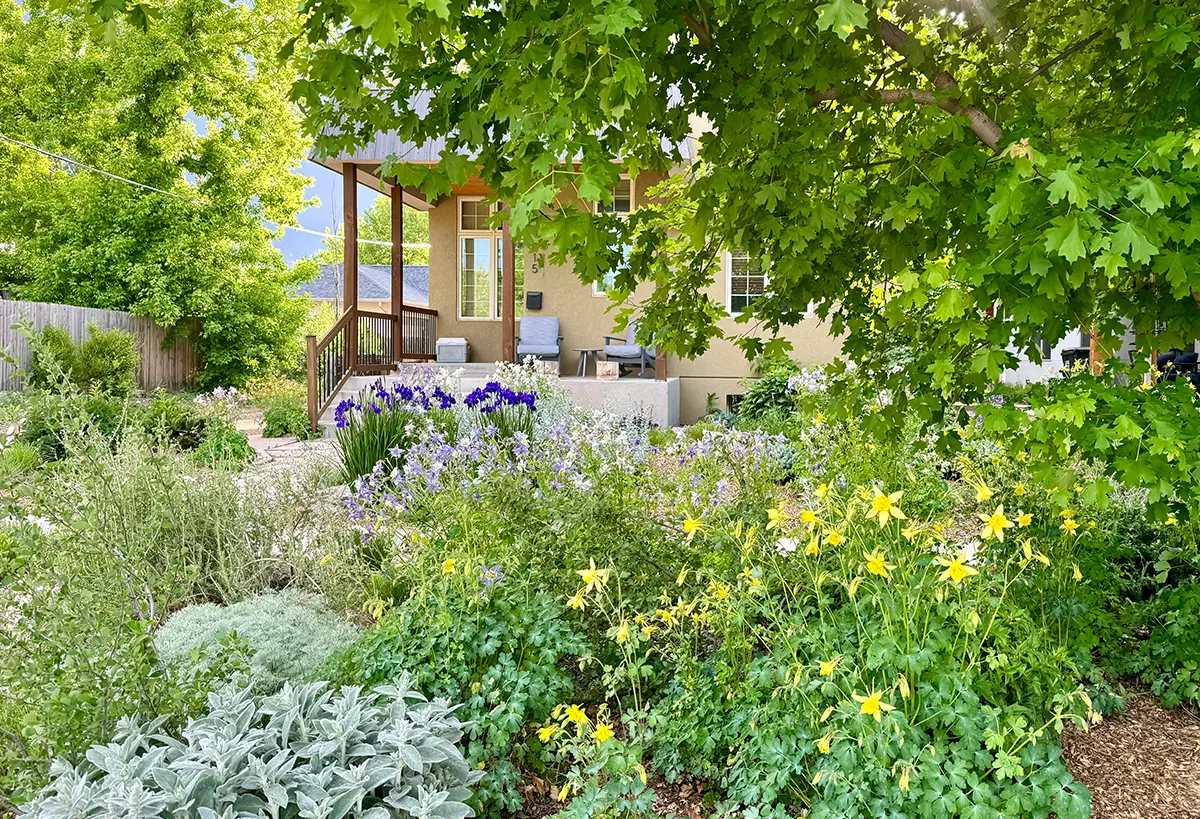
[[363, 342]]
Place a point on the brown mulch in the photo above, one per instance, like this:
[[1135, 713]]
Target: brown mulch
[[684, 798], [1141, 764]]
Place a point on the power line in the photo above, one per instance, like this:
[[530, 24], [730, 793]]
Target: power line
[[67, 160]]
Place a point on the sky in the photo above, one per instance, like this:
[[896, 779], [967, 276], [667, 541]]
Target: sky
[[322, 215]]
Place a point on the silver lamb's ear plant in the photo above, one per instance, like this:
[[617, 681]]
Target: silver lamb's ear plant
[[304, 753]]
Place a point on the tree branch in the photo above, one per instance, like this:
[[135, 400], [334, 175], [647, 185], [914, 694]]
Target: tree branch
[[1066, 52], [982, 125]]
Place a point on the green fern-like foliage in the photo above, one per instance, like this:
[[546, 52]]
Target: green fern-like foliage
[[305, 752], [290, 634]]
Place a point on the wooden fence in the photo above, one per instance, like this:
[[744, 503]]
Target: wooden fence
[[173, 367]]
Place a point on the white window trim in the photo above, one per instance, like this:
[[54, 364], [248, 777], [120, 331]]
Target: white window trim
[[459, 235], [596, 291], [727, 269], [727, 265]]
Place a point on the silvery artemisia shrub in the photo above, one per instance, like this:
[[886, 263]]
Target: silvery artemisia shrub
[[305, 753]]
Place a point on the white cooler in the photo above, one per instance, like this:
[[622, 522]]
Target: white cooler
[[452, 350]]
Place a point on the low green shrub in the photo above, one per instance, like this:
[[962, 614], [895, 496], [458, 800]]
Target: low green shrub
[[108, 362], [55, 422], [52, 357], [303, 752], [768, 394], [470, 638], [173, 418], [290, 635], [1167, 655], [223, 443], [287, 418]]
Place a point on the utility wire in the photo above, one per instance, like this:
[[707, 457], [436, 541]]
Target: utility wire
[[68, 161]]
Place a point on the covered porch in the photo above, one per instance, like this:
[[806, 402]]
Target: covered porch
[[369, 343]]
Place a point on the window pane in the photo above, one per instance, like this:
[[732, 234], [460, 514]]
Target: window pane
[[746, 282], [622, 198], [475, 276], [519, 290], [475, 213]]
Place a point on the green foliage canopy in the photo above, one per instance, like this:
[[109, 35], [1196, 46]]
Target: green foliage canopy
[[376, 224], [958, 180], [196, 105]]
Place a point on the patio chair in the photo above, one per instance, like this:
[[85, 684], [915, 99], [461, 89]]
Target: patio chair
[[627, 352], [539, 338]]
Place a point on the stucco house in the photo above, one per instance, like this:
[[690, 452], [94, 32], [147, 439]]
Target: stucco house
[[470, 294]]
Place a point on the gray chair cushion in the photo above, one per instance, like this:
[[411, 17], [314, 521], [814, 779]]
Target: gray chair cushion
[[539, 330], [537, 349], [623, 350]]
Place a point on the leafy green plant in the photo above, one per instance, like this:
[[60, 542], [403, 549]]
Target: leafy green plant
[[602, 774], [303, 752], [52, 357], [466, 635], [108, 361], [223, 443], [386, 420], [768, 394], [18, 459], [56, 422], [290, 635], [1168, 658], [287, 418], [175, 419]]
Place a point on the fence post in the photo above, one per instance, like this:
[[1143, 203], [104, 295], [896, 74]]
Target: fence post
[[311, 355]]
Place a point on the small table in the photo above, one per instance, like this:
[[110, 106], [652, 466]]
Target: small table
[[586, 353]]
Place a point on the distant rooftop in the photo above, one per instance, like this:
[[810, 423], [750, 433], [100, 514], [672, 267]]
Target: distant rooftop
[[374, 283]]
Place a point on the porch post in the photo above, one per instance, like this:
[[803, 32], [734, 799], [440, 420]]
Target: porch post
[[508, 344], [660, 364], [350, 256], [398, 272]]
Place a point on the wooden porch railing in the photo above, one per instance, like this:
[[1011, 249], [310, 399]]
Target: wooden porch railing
[[363, 342]]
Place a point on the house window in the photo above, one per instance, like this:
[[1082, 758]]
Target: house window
[[621, 205], [745, 282], [480, 264]]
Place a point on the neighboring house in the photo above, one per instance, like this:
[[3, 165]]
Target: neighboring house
[[374, 286], [467, 288]]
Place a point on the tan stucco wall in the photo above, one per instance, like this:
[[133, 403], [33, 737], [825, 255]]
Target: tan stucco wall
[[585, 318]]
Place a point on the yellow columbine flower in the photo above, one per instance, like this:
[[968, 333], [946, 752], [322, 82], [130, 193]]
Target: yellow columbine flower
[[593, 577], [775, 518], [448, 565], [1024, 519], [577, 601], [808, 517], [822, 491], [691, 526], [547, 733], [623, 632], [823, 743], [910, 531], [877, 565], [873, 705], [1066, 514], [813, 547], [819, 419], [827, 667], [1019, 490], [833, 538], [903, 783], [957, 569], [884, 507], [995, 524], [602, 733], [982, 493], [1172, 520], [576, 714], [1075, 573], [1069, 526], [666, 616]]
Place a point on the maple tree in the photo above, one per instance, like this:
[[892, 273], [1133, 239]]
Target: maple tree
[[946, 184]]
